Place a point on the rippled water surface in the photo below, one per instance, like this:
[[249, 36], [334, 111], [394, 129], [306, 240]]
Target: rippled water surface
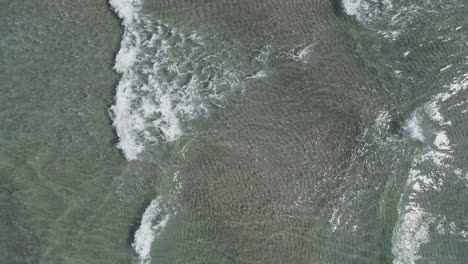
[[176, 131]]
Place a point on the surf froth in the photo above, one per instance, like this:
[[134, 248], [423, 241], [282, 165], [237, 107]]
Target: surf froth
[[127, 10], [152, 223], [432, 169], [168, 77]]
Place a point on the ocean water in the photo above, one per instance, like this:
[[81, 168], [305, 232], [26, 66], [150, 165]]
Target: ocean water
[[307, 131]]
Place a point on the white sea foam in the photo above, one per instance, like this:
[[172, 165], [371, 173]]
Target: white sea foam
[[412, 229], [431, 112], [258, 75], [413, 127], [152, 224], [415, 222], [366, 9], [126, 58], [264, 54], [446, 67], [300, 53], [441, 141], [459, 84], [354, 7], [388, 17], [166, 80], [391, 17], [126, 9], [411, 232]]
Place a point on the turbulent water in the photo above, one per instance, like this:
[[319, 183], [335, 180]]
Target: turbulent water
[[307, 131]]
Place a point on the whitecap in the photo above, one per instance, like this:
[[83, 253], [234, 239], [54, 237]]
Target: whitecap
[[413, 127], [431, 168], [126, 9], [446, 67], [442, 141], [264, 54], [300, 53], [258, 75], [411, 232], [354, 7], [152, 224], [167, 79]]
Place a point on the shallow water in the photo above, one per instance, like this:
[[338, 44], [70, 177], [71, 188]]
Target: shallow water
[[233, 132]]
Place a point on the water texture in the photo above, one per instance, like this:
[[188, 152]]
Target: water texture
[[306, 131]]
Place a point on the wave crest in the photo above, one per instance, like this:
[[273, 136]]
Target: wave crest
[[168, 77]]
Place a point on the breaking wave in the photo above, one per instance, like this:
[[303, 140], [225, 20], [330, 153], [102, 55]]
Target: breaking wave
[[152, 224], [431, 169], [168, 77], [392, 17]]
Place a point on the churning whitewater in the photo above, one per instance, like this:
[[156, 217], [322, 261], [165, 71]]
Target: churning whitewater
[[152, 223], [168, 78]]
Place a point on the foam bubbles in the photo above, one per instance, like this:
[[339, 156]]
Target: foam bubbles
[[152, 224], [430, 113], [431, 168], [354, 7], [413, 127], [410, 234], [301, 52], [387, 17], [126, 9], [413, 226], [258, 75], [168, 78], [441, 141]]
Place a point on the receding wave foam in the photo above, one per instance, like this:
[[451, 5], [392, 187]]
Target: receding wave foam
[[384, 16], [431, 169], [391, 17], [413, 127], [168, 77], [366, 10], [152, 223]]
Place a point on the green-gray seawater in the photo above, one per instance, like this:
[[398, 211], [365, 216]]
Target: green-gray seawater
[[176, 131]]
